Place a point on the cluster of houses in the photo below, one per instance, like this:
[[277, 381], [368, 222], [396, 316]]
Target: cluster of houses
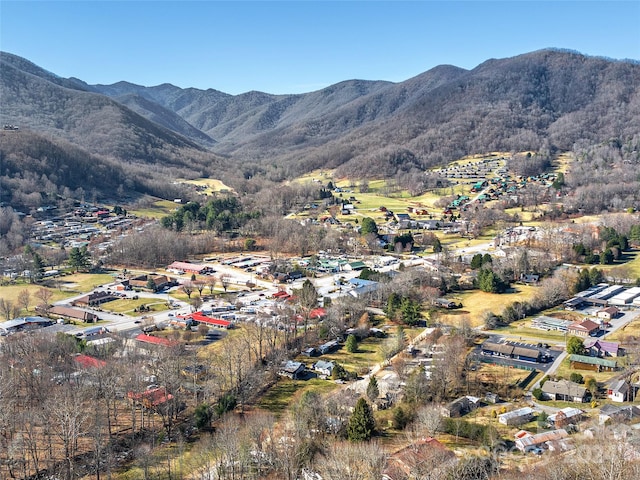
[[77, 228]]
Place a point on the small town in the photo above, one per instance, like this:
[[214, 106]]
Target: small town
[[407, 316]]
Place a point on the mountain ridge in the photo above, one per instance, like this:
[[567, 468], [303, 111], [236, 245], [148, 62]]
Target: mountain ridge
[[545, 100]]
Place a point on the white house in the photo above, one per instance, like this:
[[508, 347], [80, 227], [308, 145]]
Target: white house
[[618, 391]]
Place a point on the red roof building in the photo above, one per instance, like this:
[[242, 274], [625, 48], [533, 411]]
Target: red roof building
[[188, 267], [200, 317], [318, 313], [87, 361], [583, 329], [150, 398], [153, 340]]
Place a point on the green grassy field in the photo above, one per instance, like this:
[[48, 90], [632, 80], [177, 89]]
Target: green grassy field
[[156, 209], [127, 306], [280, 397], [61, 287], [367, 355]]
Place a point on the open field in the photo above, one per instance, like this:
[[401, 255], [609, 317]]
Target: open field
[[630, 330], [156, 209], [528, 333], [61, 287], [630, 265], [476, 302], [127, 306], [211, 185], [502, 374]]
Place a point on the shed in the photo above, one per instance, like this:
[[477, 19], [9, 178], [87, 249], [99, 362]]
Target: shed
[[516, 417], [292, 370]]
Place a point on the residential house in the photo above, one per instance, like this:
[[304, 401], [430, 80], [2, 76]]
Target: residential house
[[618, 413], [516, 417], [153, 340], [619, 391], [87, 362], [566, 416], [445, 303], [583, 362], [323, 367], [530, 442], [291, 369], [310, 352], [585, 328], [150, 399], [460, 407], [329, 347], [360, 287], [600, 348], [564, 390]]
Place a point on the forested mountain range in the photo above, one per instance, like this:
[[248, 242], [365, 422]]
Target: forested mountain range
[[545, 101]]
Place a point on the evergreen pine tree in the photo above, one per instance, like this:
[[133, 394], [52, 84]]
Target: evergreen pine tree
[[372, 389], [361, 424], [351, 344]]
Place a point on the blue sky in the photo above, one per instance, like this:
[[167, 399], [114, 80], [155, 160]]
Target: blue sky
[[300, 46]]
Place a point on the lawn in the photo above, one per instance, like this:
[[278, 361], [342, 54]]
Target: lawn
[[630, 265], [61, 287], [83, 282], [285, 391], [476, 302], [367, 355], [127, 306]]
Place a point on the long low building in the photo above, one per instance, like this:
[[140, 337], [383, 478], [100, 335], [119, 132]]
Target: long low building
[[516, 417], [583, 362], [75, 313], [201, 318], [625, 298], [24, 324], [511, 351], [549, 323]]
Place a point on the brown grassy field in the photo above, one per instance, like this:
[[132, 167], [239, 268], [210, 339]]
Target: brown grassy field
[[475, 303]]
